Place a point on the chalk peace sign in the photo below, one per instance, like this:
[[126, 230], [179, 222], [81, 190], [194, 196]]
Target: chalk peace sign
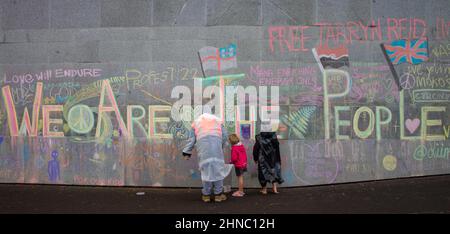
[[407, 81], [81, 119]]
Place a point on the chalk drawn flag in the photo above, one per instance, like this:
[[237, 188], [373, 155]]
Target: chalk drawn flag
[[218, 59], [404, 51], [411, 51], [331, 57]]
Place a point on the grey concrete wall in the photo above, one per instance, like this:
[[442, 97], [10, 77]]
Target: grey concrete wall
[[147, 47]]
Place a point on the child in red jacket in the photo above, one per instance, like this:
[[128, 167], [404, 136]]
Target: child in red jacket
[[239, 159]]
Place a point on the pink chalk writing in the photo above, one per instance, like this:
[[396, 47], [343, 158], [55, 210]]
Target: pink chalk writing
[[284, 76], [291, 37], [442, 28], [308, 99], [337, 34]]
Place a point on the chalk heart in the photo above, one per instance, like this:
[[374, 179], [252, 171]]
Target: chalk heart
[[412, 125]]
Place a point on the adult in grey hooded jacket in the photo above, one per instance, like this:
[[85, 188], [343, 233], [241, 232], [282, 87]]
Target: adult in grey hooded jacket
[[209, 136]]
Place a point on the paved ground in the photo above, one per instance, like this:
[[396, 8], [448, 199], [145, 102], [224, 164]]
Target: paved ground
[[413, 195]]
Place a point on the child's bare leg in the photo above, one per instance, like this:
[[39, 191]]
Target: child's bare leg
[[274, 188], [264, 190], [241, 184]]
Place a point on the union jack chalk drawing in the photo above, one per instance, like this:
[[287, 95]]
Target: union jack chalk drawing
[[411, 51]]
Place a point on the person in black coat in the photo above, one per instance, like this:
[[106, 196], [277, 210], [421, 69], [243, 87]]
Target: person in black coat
[[266, 153]]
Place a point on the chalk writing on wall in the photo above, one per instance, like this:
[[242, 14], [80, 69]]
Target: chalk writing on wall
[[359, 100]]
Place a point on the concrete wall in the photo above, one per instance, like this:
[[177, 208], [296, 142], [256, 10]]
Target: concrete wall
[[145, 48]]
